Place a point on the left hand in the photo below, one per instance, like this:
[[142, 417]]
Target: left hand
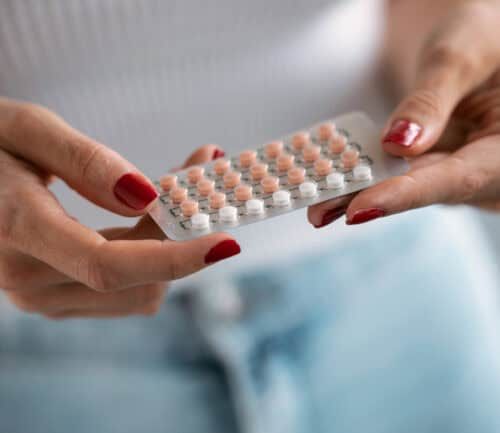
[[448, 127]]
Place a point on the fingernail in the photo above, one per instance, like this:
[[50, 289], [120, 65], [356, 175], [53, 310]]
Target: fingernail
[[218, 153], [403, 133], [222, 250], [331, 216], [365, 215], [135, 191]]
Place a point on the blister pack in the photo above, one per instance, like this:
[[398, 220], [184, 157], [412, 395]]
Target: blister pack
[[329, 160]]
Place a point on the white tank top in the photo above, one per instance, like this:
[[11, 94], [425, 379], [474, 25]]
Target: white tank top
[[156, 79]]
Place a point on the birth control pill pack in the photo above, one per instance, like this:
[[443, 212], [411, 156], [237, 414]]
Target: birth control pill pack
[[328, 160]]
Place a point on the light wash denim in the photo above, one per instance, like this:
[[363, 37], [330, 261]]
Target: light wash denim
[[393, 334]]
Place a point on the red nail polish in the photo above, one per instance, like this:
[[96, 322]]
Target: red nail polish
[[218, 153], [135, 191], [222, 250], [331, 216], [403, 133], [365, 215]]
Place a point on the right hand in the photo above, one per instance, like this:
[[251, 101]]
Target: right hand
[[52, 265]]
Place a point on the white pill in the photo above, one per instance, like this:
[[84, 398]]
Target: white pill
[[255, 207], [308, 189], [362, 172], [281, 198], [335, 180], [200, 221], [228, 214]]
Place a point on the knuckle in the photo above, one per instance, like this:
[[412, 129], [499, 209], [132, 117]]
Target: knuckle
[[13, 277], [470, 182], [426, 102], [96, 274], [25, 117], [85, 155]]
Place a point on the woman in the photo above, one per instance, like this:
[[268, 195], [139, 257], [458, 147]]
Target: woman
[[287, 336]]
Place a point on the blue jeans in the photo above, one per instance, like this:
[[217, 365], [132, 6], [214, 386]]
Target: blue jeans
[[385, 335]]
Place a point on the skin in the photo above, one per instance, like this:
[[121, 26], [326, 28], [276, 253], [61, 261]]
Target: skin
[[445, 56], [52, 265]]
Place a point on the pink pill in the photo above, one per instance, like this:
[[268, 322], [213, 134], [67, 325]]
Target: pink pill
[[323, 167], [350, 158], [243, 192], [285, 162], [217, 200], [258, 171], [178, 194], [221, 167], [168, 182], [206, 187], [270, 184], [337, 144], [311, 153], [232, 179], [300, 140], [189, 208], [296, 175], [195, 174], [247, 158], [273, 149], [326, 131]]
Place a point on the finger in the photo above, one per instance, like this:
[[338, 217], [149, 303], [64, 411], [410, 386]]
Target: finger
[[325, 213], [462, 177], [95, 171], [75, 297], [204, 154], [459, 57], [40, 228]]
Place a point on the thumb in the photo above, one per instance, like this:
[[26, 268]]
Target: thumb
[[37, 135], [456, 59]]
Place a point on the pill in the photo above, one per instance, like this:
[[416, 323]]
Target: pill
[[270, 184], [285, 162], [258, 171], [168, 182], [200, 221], [189, 208], [217, 200], [308, 189], [311, 153], [243, 192], [337, 144], [228, 214], [335, 181], [300, 140], [255, 207], [281, 198], [362, 172], [221, 167], [350, 158], [232, 179], [247, 158], [178, 194], [296, 175], [206, 187], [323, 167], [195, 174], [326, 131], [273, 149]]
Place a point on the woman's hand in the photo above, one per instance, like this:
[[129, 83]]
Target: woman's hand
[[52, 265], [449, 125]]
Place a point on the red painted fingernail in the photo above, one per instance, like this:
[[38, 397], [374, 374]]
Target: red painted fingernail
[[403, 133], [331, 216], [222, 250], [135, 191], [365, 215], [218, 153]]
